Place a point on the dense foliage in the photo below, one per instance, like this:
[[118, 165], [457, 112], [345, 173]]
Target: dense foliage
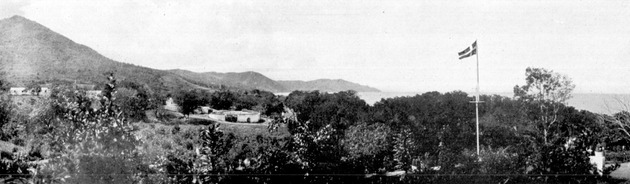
[[262, 101], [331, 138], [191, 100]]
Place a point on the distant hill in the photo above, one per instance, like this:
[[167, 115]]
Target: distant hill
[[243, 80], [30, 52], [254, 80], [326, 85]]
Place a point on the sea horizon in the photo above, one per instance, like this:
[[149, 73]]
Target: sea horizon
[[603, 103]]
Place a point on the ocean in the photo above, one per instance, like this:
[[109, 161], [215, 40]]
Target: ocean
[[597, 103]]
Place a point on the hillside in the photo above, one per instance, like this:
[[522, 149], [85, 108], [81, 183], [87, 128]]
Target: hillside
[[32, 53], [244, 80], [254, 80], [326, 85]]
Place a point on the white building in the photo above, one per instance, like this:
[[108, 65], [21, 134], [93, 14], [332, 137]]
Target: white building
[[204, 110], [18, 91], [22, 91], [171, 105], [44, 91], [217, 116], [245, 116]]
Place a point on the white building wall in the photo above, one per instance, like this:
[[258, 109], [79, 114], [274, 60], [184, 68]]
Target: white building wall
[[171, 105], [253, 117], [220, 117], [18, 91], [45, 92]]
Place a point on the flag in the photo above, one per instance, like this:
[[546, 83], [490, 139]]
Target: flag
[[468, 51]]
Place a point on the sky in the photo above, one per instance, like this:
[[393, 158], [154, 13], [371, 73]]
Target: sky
[[397, 46]]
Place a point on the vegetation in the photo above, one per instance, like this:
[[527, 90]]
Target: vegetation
[[191, 100], [262, 101], [548, 91], [315, 137]]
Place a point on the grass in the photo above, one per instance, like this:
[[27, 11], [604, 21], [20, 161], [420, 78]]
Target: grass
[[159, 140], [193, 124], [8, 147]]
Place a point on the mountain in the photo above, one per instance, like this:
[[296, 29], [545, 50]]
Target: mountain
[[326, 85], [253, 80], [31, 53], [243, 80]]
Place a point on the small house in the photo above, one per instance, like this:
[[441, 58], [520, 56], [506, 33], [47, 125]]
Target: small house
[[216, 115], [22, 91], [16, 91], [171, 105], [44, 91], [203, 110], [245, 116]]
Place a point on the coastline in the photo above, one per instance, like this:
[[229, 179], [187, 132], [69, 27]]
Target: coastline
[[594, 102]]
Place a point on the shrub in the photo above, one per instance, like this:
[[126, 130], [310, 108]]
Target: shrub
[[175, 129], [618, 157], [90, 145]]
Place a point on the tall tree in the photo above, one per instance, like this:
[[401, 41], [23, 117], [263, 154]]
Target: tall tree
[[549, 91]]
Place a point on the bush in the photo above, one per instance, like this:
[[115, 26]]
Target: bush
[[492, 166], [175, 129], [197, 121], [618, 157], [558, 164], [90, 145]]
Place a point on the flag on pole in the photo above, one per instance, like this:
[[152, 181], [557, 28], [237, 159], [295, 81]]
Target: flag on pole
[[468, 51]]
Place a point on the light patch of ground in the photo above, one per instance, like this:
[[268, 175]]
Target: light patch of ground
[[622, 172]]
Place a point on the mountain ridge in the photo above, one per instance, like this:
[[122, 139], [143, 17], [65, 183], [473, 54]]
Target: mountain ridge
[[331, 85], [32, 53]]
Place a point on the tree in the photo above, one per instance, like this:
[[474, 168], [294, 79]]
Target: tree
[[549, 91], [5, 111], [213, 153], [131, 103], [340, 110], [5, 104], [134, 99], [367, 145], [404, 146], [617, 127], [562, 133], [191, 100], [433, 118], [223, 99], [88, 145]]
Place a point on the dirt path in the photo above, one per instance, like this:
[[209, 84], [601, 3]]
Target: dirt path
[[622, 172]]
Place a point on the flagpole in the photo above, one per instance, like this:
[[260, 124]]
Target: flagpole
[[464, 54], [477, 100]]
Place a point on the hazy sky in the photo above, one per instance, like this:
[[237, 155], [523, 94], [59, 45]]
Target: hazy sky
[[391, 45]]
